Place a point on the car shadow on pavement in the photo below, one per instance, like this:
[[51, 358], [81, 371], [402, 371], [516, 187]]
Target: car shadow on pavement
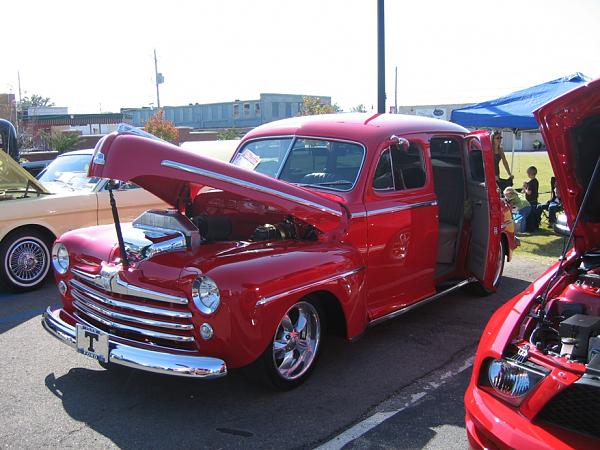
[[19, 307], [136, 409]]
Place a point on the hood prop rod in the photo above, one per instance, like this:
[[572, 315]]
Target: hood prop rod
[[115, 214]]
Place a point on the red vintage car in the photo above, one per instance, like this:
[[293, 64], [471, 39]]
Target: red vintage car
[[536, 376], [344, 220]]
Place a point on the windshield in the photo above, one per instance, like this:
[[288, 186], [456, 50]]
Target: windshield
[[321, 163], [71, 171]]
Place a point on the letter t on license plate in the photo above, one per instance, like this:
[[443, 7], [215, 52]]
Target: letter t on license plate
[[92, 342]]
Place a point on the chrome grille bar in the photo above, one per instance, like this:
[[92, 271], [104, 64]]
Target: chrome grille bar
[[118, 286], [99, 297], [134, 319], [149, 333]]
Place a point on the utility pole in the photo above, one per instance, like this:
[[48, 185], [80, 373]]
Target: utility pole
[[380, 57], [18, 104], [396, 90], [159, 79]]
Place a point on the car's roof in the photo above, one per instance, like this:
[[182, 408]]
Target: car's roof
[[354, 126], [86, 151]]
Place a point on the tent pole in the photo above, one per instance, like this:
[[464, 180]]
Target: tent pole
[[512, 157]]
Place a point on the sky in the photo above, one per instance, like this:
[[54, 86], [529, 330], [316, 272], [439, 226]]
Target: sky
[[98, 56]]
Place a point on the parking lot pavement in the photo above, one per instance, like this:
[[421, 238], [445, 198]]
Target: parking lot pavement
[[51, 396]]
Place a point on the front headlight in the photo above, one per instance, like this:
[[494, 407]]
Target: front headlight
[[509, 380], [205, 294], [60, 258]]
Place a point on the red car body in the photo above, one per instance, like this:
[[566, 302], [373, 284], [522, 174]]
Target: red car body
[[535, 345], [368, 253]]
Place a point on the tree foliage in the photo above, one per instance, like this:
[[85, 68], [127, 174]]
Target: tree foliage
[[359, 109], [161, 127], [312, 106], [35, 101], [227, 134], [60, 142]]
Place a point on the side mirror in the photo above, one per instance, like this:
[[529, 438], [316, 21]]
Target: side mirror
[[560, 226]]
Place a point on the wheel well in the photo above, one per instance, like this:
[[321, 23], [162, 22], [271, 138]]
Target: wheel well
[[336, 321], [39, 228]]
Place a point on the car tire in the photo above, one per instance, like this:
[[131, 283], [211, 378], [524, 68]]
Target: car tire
[[293, 353], [477, 288], [25, 259]]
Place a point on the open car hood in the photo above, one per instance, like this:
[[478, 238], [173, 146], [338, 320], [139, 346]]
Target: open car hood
[[13, 177], [167, 171], [570, 125]]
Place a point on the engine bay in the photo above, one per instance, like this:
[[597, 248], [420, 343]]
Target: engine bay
[[570, 327]]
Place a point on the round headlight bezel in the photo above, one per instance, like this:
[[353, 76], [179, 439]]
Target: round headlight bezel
[[206, 295], [60, 258]]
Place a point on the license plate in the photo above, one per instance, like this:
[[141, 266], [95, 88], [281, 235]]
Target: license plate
[[92, 342]]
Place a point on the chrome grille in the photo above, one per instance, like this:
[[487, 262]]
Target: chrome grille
[[138, 318]]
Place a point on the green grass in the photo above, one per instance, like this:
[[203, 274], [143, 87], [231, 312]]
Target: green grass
[[544, 245]]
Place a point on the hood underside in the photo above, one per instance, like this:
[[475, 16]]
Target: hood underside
[[570, 125], [177, 175]]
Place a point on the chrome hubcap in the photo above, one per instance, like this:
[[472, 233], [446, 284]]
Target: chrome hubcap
[[296, 341], [27, 261]]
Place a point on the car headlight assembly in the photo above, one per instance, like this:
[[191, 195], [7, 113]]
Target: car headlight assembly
[[509, 380], [205, 294], [60, 258]]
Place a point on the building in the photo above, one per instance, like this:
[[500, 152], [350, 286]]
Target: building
[[235, 114], [8, 109]]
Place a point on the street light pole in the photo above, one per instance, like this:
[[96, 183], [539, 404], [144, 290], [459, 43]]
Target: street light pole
[[380, 57]]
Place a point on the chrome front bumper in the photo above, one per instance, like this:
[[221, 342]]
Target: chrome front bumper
[[139, 358]]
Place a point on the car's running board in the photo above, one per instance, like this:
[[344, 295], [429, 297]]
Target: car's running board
[[412, 306]]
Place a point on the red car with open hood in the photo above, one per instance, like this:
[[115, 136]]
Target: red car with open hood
[[536, 376], [344, 220]]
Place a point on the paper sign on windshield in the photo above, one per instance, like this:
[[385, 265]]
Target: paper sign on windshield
[[247, 160]]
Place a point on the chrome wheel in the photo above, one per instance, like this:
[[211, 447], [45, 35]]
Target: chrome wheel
[[296, 341], [26, 261]]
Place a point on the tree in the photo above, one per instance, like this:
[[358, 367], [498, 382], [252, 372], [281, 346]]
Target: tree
[[227, 134], [359, 108], [161, 127], [312, 105], [60, 142], [35, 101]]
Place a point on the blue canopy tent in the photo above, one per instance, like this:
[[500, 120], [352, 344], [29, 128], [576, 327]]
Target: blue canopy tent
[[515, 110]]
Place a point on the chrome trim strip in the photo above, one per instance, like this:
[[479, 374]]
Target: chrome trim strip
[[134, 319], [392, 209], [109, 323], [99, 297], [308, 286], [256, 187], [412, 306], [505, 224], [115, 285], [359, 215], [140, 358]]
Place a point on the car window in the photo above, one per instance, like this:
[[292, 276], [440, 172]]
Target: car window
[[407, 168], [322, 163], [476, 168], [69, 170]]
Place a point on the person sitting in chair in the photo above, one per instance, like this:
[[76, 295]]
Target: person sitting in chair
[[553, 205]]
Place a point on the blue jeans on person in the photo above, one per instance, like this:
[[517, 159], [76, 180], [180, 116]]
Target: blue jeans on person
[[520, 217], [552, 208]]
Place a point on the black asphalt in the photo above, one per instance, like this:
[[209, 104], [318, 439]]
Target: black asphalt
[[51, 396]]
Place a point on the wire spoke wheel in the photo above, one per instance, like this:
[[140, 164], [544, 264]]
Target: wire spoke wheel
[[26, 261], [296, 341]]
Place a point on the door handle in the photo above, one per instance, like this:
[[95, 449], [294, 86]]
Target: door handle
[[478, 203]]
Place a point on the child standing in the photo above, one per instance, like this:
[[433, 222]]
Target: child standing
[[531, 191]]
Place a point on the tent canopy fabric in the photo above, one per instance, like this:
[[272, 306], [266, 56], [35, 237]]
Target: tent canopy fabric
[[516, 110]]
